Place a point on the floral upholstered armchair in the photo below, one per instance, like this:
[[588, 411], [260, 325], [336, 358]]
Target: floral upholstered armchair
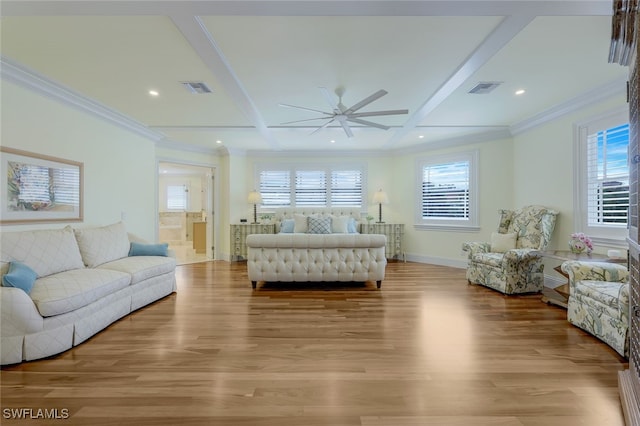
[[599, 301], [511, 262]]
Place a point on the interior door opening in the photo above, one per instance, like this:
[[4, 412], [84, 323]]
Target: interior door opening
[[185, 211]]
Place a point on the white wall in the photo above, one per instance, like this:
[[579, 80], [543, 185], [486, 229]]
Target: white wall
[[119, 166], [544, 167], [495, 176]]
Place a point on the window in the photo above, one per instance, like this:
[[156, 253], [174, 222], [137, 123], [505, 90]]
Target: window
[[177, 197], [447, 192], [291, 186], [603, 179]]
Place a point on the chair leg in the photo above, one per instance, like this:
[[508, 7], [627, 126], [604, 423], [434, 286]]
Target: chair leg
[[253, 284], [379, 283]]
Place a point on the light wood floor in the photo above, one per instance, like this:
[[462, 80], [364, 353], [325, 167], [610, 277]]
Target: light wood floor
[[425, 349]]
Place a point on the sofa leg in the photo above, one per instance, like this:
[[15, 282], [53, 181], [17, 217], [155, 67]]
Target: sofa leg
[[253, 284], [379, 283]]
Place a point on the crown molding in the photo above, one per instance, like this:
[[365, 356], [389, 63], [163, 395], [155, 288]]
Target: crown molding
[[22, 76], [179, 146], [489, 136], [319, 153], [599, 94]]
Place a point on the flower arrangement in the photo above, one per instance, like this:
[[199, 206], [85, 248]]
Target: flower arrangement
[[580, 242]]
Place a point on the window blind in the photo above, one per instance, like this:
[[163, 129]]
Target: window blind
[[608, 176], [311, 188], [346, 188], [34, 183], [275, 188], [66, 186], [445, 190], [176, 197]]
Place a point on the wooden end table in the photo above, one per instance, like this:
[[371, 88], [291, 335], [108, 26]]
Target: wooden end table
[[559, 296]]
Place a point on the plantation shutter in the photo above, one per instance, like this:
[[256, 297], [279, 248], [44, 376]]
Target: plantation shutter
[[176, 197], [311, 188], [275, 188], [346, 188], [445, 190], [608, 177]]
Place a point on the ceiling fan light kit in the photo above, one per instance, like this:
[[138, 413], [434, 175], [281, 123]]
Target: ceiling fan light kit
[[343, 115]]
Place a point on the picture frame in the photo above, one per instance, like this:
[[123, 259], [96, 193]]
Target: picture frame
[[36, 188]]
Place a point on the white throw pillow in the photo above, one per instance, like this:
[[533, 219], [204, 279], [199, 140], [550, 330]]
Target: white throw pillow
[[500, 243], [102, 245], [300, 223], [339, 224]]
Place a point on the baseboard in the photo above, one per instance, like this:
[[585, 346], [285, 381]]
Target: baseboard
[[629, 399], [442, 261]]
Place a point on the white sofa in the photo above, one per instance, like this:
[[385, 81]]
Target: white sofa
[[336, 255], [86, 280]]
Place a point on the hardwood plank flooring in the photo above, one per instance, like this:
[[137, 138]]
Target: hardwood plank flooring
[[425, 349]]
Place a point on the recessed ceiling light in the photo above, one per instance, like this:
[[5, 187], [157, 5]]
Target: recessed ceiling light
[[421, 136], [332, 141], [218, 141], [154, 93], [520, 92]]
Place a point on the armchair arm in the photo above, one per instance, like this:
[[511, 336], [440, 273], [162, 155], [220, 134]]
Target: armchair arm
[[473, 247], [599, 271], [19, 314]]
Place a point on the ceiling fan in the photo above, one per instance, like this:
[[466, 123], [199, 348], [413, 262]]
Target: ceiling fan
[[344, 115]]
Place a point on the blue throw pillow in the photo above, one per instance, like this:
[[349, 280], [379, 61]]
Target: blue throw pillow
[[286, 227], [20, 276], [139, 249], [352, 226]]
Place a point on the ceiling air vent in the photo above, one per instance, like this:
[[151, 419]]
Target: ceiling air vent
[[484, 87], [197, 87]]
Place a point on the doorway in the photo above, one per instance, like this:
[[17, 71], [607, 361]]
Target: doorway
[[186, 210]]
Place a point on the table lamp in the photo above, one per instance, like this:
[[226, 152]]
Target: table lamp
[[380, 198], [255, 198]]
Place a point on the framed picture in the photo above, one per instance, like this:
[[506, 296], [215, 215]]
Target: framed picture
[[37, 188]]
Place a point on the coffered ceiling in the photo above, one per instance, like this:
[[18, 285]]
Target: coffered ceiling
[[256, 55]]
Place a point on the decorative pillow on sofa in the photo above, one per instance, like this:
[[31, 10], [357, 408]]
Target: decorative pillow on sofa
[[340, 224], [352, 226], [500, 243], [300, 223], [319, 225], [102, 245], [287, 225], [46, 251], [140, 249], [20, 276]]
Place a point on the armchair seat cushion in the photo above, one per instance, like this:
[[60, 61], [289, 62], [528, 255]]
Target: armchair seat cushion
[[491, 259], [599, 294]]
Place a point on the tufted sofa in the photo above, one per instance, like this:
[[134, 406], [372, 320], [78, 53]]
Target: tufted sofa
[[85, 279], [309, 257], [599, 301]]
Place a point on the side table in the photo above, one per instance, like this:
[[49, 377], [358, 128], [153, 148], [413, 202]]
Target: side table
[[239, 235], [559, 296], [394, 233]]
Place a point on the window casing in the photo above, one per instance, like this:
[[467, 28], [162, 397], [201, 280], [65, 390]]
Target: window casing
[[602, 179], [447, 192], [309, 186]]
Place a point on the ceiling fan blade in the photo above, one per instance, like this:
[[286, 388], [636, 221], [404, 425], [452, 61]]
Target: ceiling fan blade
[[374, 113], [366, 101], [322, 127], [346, 128], [308, 119], [368, 123], [306, 109], [330, 100]]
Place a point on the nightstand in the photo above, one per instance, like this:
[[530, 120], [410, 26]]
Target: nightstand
[[394, 233], [239, 234]]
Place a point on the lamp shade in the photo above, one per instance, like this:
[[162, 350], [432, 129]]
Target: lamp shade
[[254, 197], [380, 197]]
